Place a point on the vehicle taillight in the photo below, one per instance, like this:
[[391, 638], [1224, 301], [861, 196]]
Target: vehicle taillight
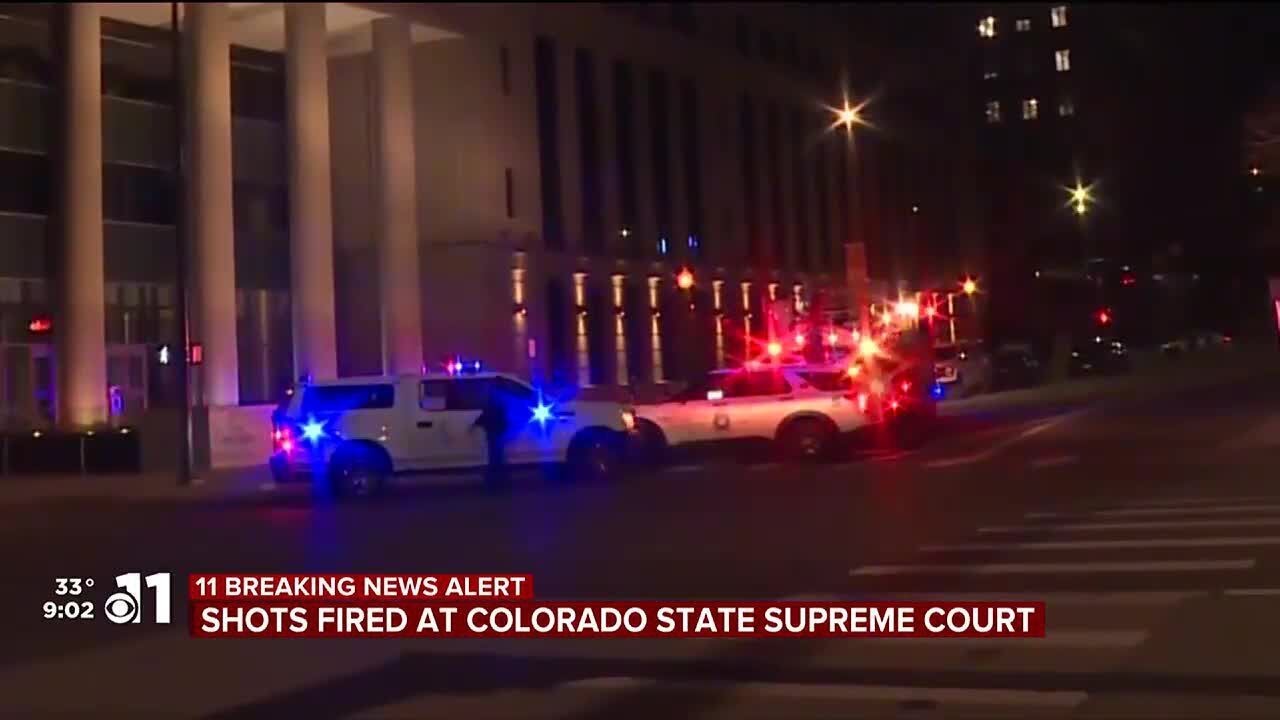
[[282, 439]]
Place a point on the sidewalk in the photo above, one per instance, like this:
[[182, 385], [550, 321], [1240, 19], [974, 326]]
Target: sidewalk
[[236, 484], [1154, 374]]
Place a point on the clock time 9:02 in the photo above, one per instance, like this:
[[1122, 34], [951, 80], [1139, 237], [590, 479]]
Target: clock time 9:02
[[72, 610]]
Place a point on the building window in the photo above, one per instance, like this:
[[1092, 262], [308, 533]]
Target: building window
[[1062, 60], [510, 188], [1030, 109], [1066, 108], [26, 183], [582, 340], [1022, 25], [620, 369], [659, 118], [549, 142], [692, 150], [778, 226], [750, 168], [557, 324], [589, 153], [655, 331], [993, 111], [1058, 16], [987, 27], [826, 252], [624, 105], [799, 168], [504, 68]]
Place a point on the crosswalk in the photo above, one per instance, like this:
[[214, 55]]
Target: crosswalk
[[1219, 545]]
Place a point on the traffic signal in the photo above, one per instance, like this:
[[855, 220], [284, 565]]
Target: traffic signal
[[1104, 317]]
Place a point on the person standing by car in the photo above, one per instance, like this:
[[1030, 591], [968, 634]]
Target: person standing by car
[[494, 422]]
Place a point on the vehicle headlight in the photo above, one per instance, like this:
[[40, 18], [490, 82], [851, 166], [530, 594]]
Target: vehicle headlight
[[629, 420]]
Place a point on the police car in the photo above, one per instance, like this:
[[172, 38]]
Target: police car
[[355, 433], [803, 407]]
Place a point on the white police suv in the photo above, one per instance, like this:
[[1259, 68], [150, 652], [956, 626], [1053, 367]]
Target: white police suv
[[355, 433], [804, 408]]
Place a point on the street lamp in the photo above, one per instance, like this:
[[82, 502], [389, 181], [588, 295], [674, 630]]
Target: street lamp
[[969, 286], [1081, 197], [848, 115], [684, 279]]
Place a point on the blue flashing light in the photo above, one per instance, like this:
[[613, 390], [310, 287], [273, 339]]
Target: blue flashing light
[[936, 391], [541, 413], [313, 430], [662, 246], [476, 365]]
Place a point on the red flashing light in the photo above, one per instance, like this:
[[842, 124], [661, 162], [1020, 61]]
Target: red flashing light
[[799, 340], [1104, 317], [197, 354], [862, 402], [40, 325], [906, 386], [775, 349], [930, 311], [1128, 281], [893, 405]]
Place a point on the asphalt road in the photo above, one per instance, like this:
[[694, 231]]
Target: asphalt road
[[1150, 526]]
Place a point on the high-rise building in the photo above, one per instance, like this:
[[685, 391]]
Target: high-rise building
[[380, 188]]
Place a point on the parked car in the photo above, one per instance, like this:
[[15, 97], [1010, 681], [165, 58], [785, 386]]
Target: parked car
[[1102, 356], [1015, 366]]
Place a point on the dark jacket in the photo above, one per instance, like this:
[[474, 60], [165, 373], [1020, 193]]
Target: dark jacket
[[493, 418]]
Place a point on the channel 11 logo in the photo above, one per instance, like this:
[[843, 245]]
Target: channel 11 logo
[[126, 606]]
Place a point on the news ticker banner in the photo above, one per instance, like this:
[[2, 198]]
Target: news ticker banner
[[475, 606]]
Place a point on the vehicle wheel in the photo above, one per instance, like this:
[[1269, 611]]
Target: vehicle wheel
[[805, 439], [358, 476], [650, 445], [593, 458]]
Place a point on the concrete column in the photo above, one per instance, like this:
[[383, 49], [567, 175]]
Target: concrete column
[[310, 192], [209, 206], [80, 332], [396, 191]]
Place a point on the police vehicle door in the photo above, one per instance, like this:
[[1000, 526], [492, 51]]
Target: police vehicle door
[[690, 415], [461, 442], [427, 446], [756, 401], [530, 441]]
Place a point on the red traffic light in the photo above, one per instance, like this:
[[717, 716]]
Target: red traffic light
[[1104, 317]]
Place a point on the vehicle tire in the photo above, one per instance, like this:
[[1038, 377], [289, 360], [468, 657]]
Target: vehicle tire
[[649, 448], [593, 457], [359, 473], [805, 439]]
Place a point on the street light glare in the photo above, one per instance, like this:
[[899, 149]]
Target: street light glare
[[970, 286], [848, 116]]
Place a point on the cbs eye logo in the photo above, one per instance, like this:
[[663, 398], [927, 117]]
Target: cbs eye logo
[[126, 606]]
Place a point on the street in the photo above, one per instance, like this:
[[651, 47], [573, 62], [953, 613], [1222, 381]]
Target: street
[[1150, 525]]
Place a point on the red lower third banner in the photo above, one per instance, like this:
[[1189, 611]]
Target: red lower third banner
[[642, 619]]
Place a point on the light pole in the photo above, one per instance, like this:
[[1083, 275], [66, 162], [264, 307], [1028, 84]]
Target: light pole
[[180, 249]]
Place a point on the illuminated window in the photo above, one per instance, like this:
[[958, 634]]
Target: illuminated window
[[746, 319], [582, 346], [993, 111], [990, 74], [1022, 25], [1058, 16], [1030, 109], [620, 330], [1062, 60], [987, 27], [720, 359], [655, 331], [522, 346], [1066, 108]]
